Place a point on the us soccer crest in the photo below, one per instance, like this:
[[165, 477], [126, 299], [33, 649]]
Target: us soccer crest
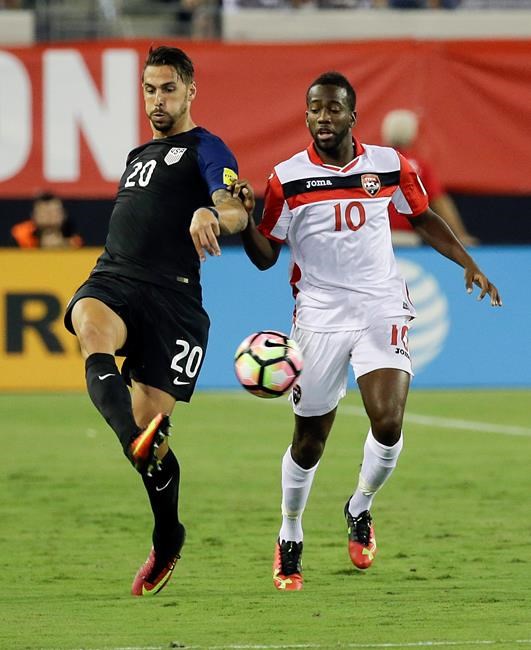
[[174, 155], [371, 184]]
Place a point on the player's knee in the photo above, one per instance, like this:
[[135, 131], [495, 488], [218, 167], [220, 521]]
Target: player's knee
[[92, 338], [387, 427], [95, 337], [307, 451]]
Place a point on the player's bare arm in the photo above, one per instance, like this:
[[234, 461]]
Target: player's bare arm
[[435, 232], [232, 214], [226, 217], [445, 207], [244, 191], [262, 252]]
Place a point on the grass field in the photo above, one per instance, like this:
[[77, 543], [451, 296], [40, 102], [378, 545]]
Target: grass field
[[453, 527]]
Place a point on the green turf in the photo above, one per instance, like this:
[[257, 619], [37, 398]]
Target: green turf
[[453, 527]]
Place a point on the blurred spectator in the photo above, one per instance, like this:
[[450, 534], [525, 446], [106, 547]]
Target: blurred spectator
[[11, 4], [423, 4], [344, 4], [234, 5], [352, 4], [48, 226], [199, 19], [204, 17], [418, 4], [400, 130]]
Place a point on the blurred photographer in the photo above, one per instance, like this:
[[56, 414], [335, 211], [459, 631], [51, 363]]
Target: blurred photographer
[[48, 226], [399, 130]]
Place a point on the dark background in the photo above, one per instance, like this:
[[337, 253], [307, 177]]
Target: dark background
[[493, 219]]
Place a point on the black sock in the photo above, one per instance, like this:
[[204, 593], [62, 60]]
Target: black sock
[[110, 396], [163, 491]]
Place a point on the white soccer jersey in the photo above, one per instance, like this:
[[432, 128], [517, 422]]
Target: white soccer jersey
[[335, 220]]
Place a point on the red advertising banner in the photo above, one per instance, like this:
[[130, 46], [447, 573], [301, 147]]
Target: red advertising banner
[[70, 113]]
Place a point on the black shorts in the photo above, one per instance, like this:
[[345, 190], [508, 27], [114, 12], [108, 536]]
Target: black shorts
[[167, 331]]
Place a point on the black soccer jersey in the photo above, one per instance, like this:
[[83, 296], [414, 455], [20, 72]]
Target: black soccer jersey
[[165, 180]]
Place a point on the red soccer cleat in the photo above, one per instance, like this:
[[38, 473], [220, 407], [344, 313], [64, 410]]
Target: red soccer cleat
[[287, 567], [361, 540], [142, 450], [156, 571]]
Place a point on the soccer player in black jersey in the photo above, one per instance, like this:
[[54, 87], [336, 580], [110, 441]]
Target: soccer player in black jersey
[[143, 297]]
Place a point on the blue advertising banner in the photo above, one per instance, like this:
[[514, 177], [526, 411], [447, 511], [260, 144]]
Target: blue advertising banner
[[455, 340]]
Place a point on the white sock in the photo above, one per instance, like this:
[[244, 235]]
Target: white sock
[[378, 464], [296, 485]]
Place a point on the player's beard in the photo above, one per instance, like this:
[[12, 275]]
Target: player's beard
[[162, 124], [332, 145], [166, 123]]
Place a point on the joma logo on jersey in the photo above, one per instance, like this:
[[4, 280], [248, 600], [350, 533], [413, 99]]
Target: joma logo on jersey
[[174, 155], [318, 182], [371, 184]]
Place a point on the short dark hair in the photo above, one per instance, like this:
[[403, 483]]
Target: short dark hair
[[334, 79], [174, 57], [45, 195]]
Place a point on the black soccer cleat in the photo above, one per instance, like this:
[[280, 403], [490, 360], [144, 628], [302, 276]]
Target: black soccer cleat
[[287, 566]]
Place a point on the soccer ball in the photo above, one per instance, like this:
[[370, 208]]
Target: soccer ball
[[267, 363]]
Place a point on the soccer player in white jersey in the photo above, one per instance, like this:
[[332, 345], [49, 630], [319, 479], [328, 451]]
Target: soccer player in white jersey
[[329, 203]]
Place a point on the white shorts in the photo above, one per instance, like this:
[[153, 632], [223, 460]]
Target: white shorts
[[327, 356]]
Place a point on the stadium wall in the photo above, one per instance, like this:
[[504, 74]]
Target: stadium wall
[[73, 111], [317, 24], [494, 219], [455, 341]]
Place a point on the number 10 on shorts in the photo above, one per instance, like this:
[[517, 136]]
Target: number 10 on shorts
[[400, 334]]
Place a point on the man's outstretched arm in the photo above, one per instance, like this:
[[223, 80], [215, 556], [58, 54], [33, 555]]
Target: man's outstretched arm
[[435, 232]]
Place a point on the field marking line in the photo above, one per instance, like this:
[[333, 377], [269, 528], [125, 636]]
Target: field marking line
[[355, 646], [452, 423], [335, 646], [433, 421]]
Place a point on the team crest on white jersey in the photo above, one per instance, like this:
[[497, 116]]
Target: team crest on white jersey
[[174, 155], [371, 184]]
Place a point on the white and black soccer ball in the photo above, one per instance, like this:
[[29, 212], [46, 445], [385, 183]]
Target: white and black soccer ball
[[267, 363]]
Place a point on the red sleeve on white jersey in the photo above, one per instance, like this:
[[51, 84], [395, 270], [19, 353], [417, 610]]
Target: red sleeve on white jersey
[[430, 180], [410, 197], [273, 205]]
